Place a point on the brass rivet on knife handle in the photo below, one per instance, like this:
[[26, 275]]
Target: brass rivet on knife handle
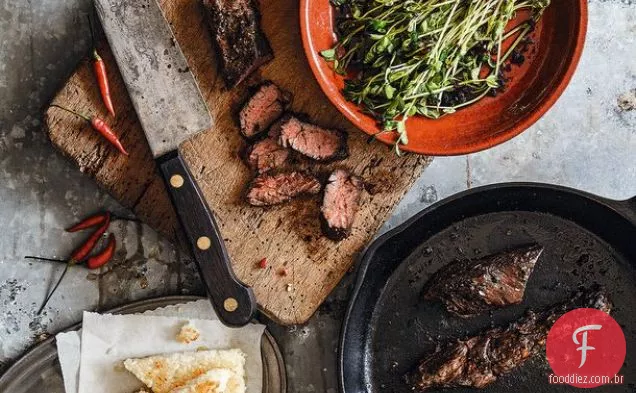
[[203, 243], [176, 181], [230, 304]]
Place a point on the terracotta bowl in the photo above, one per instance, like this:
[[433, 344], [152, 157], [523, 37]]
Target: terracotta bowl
[[533, 87]]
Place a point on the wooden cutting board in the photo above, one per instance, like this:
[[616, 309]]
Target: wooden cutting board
[[289, 236]]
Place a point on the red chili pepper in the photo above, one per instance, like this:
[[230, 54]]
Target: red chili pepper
[[102, 257], [103, 129], [100, 126], [82, 251], [100, 72], [262, 263], [88, 222], [102, 80]]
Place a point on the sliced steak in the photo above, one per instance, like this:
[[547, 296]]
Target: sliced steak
[[480, 360], [241, 45], [469, 288], [340, 204], [274, 188], [313, 141], [264, 107], [265, 155]]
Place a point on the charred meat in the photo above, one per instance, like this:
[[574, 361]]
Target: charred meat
[[480, 360], [264, 107], [275, 188], [315, 142], [340, 204], [468, 288], [266, 155], [241, 45]]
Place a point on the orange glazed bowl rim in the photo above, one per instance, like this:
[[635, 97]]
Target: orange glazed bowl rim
[[310, 9]]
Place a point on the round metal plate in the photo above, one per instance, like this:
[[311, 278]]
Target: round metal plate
[[38, 371]]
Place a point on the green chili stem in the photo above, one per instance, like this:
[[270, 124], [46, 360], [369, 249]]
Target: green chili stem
[[88, 119]]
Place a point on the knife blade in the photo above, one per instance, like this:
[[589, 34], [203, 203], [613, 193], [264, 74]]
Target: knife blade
[[170, 108]]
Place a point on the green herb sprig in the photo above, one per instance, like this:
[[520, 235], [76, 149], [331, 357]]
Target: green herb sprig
[[424, 57]]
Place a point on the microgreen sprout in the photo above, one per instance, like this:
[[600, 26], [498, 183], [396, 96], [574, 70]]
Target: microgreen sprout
[[404, 58]]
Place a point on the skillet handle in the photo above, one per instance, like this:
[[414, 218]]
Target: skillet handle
[[630, 205], [626, 208], [233, 301]]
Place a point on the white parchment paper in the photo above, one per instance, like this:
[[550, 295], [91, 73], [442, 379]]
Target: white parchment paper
[[68, 353], [106, 340]]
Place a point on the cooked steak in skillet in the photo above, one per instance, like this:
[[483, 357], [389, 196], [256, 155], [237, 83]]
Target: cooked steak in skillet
[[468, 288], [480, 360], [340, 204], [315, 142], [263, 108], [241, 45], [266, 155], [274, 188]]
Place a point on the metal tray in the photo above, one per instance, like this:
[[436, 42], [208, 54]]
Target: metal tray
[[38, 371]]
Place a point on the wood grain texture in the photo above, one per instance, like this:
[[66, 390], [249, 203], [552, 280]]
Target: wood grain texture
[[289, 236]]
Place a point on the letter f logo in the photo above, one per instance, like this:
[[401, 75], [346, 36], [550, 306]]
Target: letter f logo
[[584, 347]]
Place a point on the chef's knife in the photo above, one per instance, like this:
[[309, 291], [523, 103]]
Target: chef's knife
[[170, 108]]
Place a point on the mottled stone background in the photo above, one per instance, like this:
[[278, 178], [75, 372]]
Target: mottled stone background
[[587, 141]]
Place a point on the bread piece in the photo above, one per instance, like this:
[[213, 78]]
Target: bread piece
[[213, 381], [188, 334], [163, 373]]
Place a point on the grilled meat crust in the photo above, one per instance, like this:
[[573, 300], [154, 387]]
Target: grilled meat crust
[[266, 104], [318, 143], [239, 40], [480, 360], [276, 188], [340, 204], [468, 288], [266, 155]]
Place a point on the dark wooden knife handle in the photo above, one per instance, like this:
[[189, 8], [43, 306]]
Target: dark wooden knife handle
[[233, 301]]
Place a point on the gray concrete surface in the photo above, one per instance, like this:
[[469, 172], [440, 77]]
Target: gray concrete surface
[[586, 141]]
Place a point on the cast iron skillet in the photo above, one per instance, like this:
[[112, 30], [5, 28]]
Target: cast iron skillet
[[587, 239]]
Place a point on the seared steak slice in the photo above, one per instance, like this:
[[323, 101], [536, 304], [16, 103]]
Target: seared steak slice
[[266, 155], [468, 288], [274, 188], [340, 204], [480, 360], [263, 108], [241, 45], [315, 142]]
